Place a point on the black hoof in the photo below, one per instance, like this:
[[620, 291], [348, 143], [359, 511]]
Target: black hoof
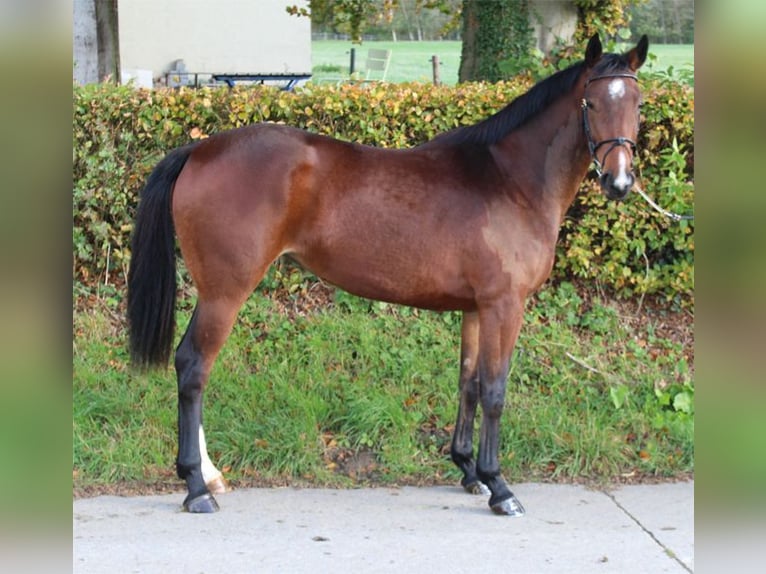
[[508, 507], [477, 487], [202, 504]]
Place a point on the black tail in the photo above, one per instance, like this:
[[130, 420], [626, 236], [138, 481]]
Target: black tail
[[152, 273]]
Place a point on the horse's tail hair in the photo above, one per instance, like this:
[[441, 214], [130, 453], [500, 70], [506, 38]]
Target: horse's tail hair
[[152, 272]]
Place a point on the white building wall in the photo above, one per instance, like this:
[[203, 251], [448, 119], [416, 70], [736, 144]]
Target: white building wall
[[213, 36]]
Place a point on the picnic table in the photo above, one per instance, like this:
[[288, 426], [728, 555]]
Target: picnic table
[[178, 78], [290, 80]]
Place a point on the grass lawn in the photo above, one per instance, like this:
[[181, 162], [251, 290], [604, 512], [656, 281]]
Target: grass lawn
[[411, 61], [677, 55]]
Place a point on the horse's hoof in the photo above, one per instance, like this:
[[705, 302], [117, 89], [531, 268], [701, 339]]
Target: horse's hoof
[[477, 487], [217, 485], [202, 504], [508, 507]]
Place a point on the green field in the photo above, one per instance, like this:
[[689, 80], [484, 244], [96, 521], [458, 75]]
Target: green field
[[411, 61], [678, 56]]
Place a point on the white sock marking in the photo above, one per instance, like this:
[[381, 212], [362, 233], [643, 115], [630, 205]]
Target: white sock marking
[[209, 471]]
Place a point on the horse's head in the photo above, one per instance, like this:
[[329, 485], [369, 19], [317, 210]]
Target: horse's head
[[610, 113]]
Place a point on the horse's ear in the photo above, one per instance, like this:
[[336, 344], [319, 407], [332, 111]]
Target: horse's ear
[[593, 51], [637, 56]]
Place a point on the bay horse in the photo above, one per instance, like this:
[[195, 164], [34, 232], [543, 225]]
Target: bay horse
[[467, 221]]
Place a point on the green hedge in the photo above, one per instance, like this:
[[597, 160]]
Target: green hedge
[[119, 133]]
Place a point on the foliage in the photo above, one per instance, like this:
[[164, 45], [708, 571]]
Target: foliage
[[347, 15], [356, 18], [416, 20], [497, 41], [519, 53], [119, 133], [605, 17]]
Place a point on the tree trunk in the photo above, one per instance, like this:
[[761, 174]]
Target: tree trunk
[[489, 37], [468, 53], [107, 32]]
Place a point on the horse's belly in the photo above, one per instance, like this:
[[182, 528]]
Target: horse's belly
[[399, 280]]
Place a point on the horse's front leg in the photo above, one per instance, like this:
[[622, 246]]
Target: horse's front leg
[[498, 330], [461, 450]]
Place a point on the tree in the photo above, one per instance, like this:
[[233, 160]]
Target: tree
[[96, 46], [493, 32], [664, 21], [353, 17], [348, 15], [107, 33]]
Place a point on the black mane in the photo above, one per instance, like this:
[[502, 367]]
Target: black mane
[[528, 105]]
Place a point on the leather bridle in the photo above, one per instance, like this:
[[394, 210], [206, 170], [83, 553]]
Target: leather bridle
[[616, 142]]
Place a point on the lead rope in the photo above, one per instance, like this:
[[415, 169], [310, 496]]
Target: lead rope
[[665, 212]]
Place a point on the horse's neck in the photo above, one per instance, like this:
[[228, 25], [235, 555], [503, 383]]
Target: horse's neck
[[566, 161], [559, 153]]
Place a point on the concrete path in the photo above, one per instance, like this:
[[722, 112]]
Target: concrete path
[[567, 529]]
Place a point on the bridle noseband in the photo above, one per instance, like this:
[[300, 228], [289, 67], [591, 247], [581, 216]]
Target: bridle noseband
[[592, 146]]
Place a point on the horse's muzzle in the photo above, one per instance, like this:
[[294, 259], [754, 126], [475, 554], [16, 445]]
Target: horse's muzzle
[[616, 188]]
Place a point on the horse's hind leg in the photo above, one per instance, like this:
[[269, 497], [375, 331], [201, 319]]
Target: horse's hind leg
[[462, 440], [210, 474], [209, 327]]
